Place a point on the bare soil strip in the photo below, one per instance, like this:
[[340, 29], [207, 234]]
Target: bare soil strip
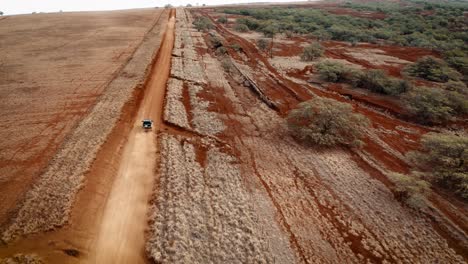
[[121, 239]]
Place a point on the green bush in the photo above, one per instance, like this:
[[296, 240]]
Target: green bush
[[241, 28], [378, 81], [327, 122], [263, 44], [222, 20], [429, 105], [202, 23], [236, 47], [445, 158], [336, 72], [410, 189], [312, 52], [432, 69]]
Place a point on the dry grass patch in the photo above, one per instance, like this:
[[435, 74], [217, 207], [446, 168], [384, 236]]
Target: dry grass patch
[[47, 205]]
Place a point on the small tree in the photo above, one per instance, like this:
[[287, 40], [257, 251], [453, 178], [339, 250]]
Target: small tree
[[222, 20], [445, 158], [432, 69], [270, 30], [1, 13], [325, 121], [312, 52], [168, 6]]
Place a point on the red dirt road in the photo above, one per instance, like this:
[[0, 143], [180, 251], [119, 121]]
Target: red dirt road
[[121, 236]]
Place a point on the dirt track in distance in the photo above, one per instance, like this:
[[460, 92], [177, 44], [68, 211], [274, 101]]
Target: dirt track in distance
[[124, 220]]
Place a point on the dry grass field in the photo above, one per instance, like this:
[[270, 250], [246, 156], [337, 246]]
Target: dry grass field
[[40, 186], [53, 69]]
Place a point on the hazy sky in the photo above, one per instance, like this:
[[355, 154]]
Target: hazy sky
[[10, 7]]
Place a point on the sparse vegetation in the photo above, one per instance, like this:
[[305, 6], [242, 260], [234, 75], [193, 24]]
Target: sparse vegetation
[[167, 6], [202, 23], [444, 157], [327, 122], [312, 52], [432, 69]]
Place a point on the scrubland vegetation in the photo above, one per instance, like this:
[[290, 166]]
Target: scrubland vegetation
[[444, 160], [403, 25]]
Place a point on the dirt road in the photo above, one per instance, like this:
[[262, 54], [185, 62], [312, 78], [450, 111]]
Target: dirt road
[[121, 236]]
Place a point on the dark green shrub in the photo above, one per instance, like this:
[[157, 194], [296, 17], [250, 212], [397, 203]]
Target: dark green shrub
[[445, 158], [432, 69], [327, 122], [312, 52]]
